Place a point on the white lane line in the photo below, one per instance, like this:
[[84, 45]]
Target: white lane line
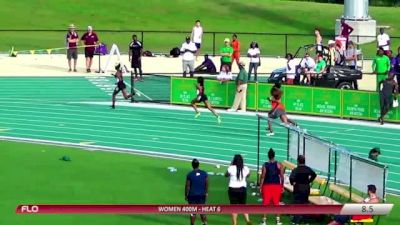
[[135, 146]]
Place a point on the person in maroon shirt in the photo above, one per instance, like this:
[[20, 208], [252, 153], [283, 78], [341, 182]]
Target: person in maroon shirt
[[89, 39], [72, 42], [346, 30]]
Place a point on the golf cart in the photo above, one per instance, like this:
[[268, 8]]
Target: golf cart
[[341, 77]]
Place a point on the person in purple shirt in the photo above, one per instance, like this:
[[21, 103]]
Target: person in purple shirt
[[396, 66], [89, 39], [207, 66], [346, 30]]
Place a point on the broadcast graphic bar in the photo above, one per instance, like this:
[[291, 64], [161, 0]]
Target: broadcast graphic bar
[[346, 209]]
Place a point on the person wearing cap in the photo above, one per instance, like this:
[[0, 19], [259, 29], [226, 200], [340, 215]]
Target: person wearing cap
[[72, 43], [331, 52], [371, 199], [89, 39], [241, 90], [381, 67], [226, 55], [188, 50], [196, 189]]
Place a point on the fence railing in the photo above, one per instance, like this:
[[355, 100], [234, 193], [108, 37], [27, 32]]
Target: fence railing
[[162, 41]]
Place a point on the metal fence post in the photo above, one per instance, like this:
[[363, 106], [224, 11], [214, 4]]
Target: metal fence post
[[213, 44], [286, 44], [258, 148]]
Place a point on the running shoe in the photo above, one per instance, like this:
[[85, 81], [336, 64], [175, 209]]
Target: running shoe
[[270, 134], [197, 115], [219, 119]]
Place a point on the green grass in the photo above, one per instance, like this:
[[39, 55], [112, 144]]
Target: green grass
[[33, 174], [273, 16]]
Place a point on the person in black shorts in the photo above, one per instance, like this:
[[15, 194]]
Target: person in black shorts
[[388, 87], [120, 85], [202, 97], [196, 189], [135, 56]]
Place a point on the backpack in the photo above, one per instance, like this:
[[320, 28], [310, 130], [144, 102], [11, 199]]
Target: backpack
[[175, 52]]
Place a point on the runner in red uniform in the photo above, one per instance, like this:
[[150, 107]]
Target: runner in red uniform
[[236, 49], [278, 109]]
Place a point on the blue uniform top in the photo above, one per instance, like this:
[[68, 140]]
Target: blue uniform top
[[272, 175], [197, 180]]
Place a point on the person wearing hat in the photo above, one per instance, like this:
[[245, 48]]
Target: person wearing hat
[[241, 90], [72, 43], [331, 52], [226, 56], [188, 50], [89, 39]]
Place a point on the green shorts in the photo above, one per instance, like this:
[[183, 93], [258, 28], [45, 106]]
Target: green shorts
[[379, 78]]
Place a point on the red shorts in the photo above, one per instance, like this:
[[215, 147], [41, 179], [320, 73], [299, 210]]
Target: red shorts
[[271, 192], [236, 57]]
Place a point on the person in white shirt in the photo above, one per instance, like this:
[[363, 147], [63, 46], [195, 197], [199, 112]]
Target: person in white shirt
[[254, 54], [306, 65], [188, 50], [238, 174], [197, 36], [383, 40], [290, 69]]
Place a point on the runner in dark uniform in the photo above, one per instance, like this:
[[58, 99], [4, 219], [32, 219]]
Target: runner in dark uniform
[[388, 87], [202, 97], [135, 56], [120, 85]]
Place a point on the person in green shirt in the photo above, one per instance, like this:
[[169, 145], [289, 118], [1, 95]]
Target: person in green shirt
[[319, 68], [226, 55], [381, 67], [241, 90]]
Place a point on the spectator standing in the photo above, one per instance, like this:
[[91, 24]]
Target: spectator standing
[[226, 55], [196, 189], [388, 88], [339, 54], [346, 30], [318, 41], [207, 66], [290, 69], [381, 67], [90, 40], [396, 67], [72, 43], [301, 178], [271, 183], [238, 174], [241, 90], [236, 49], [351, 59], [331, 52], [188, 50], [383, 40], [254, 54], [135, 56], [197, 36], [392, 60]]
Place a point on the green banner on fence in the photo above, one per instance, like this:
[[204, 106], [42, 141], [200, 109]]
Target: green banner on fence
[[297, 99]]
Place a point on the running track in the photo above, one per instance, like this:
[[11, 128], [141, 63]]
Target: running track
[[75, 110]]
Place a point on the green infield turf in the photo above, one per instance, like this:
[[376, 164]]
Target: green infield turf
[[34, 174], [272, 16]]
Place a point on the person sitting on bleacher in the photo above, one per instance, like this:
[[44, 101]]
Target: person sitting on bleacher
[[371, 199]]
